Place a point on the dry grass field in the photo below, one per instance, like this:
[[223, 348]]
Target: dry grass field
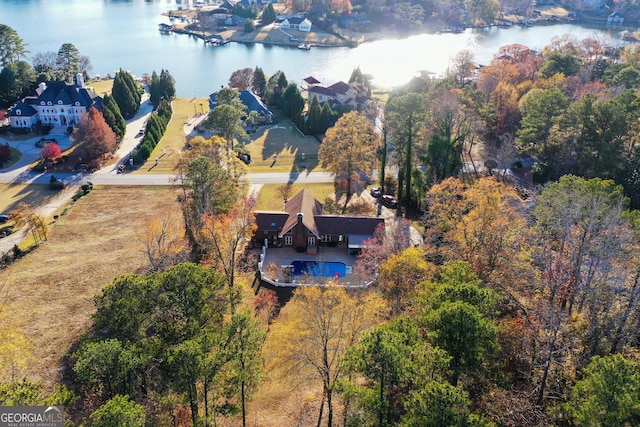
[[49, 292]]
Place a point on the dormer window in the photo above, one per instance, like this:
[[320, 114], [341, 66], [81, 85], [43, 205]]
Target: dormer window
[[41, 102], [78, 103], [60, 102], [18, 112], [49, 103]]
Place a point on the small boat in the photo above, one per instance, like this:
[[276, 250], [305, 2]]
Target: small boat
[[304, 46]]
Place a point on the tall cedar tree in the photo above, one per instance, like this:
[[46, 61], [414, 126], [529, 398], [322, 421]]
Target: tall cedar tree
[[314, 117], [113, 116], [127, 98], [95, 135], [259, 82]]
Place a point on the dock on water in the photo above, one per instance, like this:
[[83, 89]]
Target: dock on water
[[216, 40]]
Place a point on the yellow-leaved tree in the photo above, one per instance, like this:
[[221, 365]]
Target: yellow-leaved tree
[[400, 275], [310, 337], [162, 240]]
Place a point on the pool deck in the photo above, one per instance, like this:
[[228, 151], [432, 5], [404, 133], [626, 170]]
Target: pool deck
[[282, 257]]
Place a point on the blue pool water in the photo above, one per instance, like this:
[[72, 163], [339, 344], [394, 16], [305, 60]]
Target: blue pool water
[[321, 268]]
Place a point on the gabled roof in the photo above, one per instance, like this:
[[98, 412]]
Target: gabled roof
[[253, 103], [311, 80], [296, 20], [302, 203], [321, 90], [340, 87], [26, 110]]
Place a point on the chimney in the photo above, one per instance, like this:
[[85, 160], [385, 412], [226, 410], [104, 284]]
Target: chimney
[[300, 215], [79, 80], [42, 87]]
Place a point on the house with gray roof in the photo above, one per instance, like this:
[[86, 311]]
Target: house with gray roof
[[55, 104]]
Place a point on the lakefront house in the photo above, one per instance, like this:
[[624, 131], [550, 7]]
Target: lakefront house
[[55, 104]]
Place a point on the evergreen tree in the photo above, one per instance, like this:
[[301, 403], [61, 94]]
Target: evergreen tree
[[328, 117], [167, 85], [292, 102], [113, 116], [259, 81], [12, 47], [68, 61], [123, 96], [268, 15], [314, 117]]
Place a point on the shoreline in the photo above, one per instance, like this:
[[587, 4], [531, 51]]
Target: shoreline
[[270, 35]]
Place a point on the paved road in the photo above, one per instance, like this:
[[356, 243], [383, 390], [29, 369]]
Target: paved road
[[19, 172]]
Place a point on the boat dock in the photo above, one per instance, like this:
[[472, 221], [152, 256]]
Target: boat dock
[[216, 40]]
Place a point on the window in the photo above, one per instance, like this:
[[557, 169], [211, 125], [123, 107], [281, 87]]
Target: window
[[325, 238], [59, 101], [288, 240], [77, 102], [18, 112], [41, 102], [340, 238], [311, 241], [49, 103]]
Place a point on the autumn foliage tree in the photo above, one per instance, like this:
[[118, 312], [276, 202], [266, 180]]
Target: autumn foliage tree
[[95, 135], [312, 335], [349, 147], [50, 151]]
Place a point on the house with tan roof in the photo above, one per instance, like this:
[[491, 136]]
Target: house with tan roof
[[354, 95]]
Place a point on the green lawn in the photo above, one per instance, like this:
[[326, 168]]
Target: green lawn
[[174, 138], [269, 198]]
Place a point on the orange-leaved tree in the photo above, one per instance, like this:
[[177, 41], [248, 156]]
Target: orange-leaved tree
[[95, 135]]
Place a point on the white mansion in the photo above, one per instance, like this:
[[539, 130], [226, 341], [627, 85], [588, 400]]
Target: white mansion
[[56, 104]]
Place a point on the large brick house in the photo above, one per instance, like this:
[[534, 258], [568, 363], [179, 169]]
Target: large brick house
[[303, 226], [56, 104]]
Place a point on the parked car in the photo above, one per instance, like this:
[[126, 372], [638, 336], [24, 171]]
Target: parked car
[[389, 201], [376, 192], [4, 218]]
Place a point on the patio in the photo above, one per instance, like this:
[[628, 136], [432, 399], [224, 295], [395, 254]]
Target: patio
[[275, 266]]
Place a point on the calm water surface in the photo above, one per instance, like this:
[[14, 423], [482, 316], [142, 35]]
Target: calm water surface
[[124, 34]]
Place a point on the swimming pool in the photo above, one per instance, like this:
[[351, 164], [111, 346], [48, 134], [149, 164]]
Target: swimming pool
[[319, 268]]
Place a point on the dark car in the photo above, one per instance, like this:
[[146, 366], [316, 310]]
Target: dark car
[[376, 192], [4, 218], [389, 201]]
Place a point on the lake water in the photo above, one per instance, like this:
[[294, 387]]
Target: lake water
[[124, 34]]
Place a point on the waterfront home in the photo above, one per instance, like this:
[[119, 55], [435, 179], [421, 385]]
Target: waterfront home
[[354, 95], [253, 104], [55, 104], [294, 23]]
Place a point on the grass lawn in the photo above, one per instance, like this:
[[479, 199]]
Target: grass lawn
[[50, 291], [270, 200], [174, 139], [11, 195], [288, 144], [101, 87]]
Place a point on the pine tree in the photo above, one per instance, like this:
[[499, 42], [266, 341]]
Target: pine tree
[[327, 118], [268, 15]]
